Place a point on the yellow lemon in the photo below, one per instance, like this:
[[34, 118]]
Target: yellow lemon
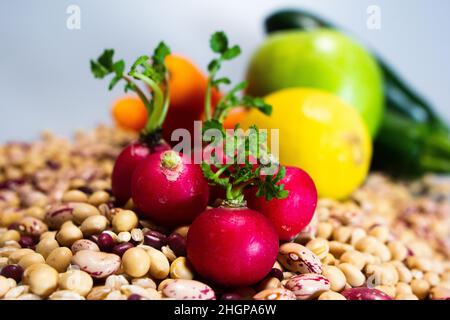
[[321, 134]]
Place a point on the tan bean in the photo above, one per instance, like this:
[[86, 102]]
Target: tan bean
[[423, 264], [308, 286], [380, 232], [181, 269], [330, 295], [160, 267], [82, 211], [404, 274], [68, 234], [342, 234], [357, 234], [41, 278], [74, 196], [275, 294], [402, 287], [146, 294], [398, 250], [48, 234], [319, 247], [4, 286], [137, 235], [337, 249], [98, 197], [437, 293], [297, 258], [124, 236], [389, 290], [335, 276], [125, 220], [385, 274], [98, 293], [65, 295], [37, 212], [15, 256], [146, 283], [353, 275], [432, 278], [382, 252], [9, 235], [94, 225], [420, 288], [324, 230], [136, 262], [367, 244], [355, 258], [30, 259], [406, 296], [59, 259], [76, 281], [116, 281], [329, 260], [46, 245]]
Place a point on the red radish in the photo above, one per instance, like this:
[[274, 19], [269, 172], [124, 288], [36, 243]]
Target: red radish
[[292, 214], [156, 105], [168, 189], [126, 163], [232, 246]]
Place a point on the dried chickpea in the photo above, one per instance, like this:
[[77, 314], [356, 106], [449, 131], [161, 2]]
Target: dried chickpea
[[77, 281], [181, 269], [124, 220], [136, 262], [74, 196], [319, 247], [46, 245], [59, 259], [30, 259], [335, 276], [330, 295], [420, 288], [354, 276], [94, 225]]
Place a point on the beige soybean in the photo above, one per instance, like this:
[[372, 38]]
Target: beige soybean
[[42, 279], [124, 220], [342, 234], [77, 281], [10, 235], [319, 247], [404, 274], [160, 266], [355, 258], [354, 276], [380, 232], [136, 262], [402, 287], [398, 250], [324, 230], [357, 234], [98, 197], [331, 295], [335, 276], [30, 259], [420, 288], [406, 296], [432, 278], [46, 245], [382, 251], [4, 286], [337, 249], [389, 290], [68, 234], [59, 259], [82, 211], [181, 269], [94, 225], [15, 256], [74, 196]]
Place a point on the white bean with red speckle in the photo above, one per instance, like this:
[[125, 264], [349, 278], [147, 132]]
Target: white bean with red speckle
[[308, 286], [181, 289]]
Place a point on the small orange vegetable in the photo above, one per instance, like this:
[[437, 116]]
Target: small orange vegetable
[[129, 113]]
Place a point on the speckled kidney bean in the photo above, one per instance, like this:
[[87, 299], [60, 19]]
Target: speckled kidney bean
[[84, 244], [364, 294], [275, 294], [181, 289], [58, 214], [98, 264], [298, 258], [32, 226], [308, 286]]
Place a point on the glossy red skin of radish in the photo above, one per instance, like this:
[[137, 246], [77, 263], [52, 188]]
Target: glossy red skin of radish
[[292, 214], [125, 164], [232, 246], [169, 197]]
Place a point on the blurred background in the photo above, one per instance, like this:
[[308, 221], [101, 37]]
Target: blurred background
[[45, 81]]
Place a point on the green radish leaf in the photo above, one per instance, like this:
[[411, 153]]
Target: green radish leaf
[[219, 42]]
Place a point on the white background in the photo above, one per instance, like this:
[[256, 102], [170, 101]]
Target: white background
[[45, 80]]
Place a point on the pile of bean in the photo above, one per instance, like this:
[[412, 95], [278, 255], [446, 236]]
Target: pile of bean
[[61, 237]]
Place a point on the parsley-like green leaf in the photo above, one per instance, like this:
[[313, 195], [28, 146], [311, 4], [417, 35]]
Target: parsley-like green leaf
[[219, 42], [231, 53]]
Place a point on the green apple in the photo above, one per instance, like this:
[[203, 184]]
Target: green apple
[[322, 59]]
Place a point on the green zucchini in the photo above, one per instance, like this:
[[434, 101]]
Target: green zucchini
[[413, 139]]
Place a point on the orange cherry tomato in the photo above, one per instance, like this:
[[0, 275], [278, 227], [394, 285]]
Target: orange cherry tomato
[[129, 113]]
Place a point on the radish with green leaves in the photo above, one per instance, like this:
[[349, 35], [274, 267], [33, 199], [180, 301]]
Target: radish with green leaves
[[154, 75], [232, 245]]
